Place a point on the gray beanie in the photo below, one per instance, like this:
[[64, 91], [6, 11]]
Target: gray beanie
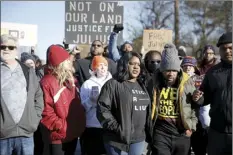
[[170, 59]]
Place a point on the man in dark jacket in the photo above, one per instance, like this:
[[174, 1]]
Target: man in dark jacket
[[82, 66], [173, 117], [21, 101], [217, 91]]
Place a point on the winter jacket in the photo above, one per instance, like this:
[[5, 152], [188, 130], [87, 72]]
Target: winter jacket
[[114, 111], [114, 53], [82, 69], [184, 98], [217, 88], [39, 73], [89, 105], [32, 111], [63, 114]]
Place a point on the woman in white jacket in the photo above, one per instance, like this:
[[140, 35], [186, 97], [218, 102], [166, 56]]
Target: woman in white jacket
[[92, 142]]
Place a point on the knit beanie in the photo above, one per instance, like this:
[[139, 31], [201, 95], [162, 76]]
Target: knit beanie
[[96, 61], [189, 61], [57, 55], [123, 45], [225, 38], [170, 59], [208, 47], [26, 56]]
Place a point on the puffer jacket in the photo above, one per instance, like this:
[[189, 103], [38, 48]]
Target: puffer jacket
[[63, 115], [185, 91]]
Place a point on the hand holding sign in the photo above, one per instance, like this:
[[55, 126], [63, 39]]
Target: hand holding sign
[[118, 27]]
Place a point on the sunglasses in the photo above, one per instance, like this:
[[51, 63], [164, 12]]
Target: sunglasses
[[155, 61], [3, 47], [96, 45]]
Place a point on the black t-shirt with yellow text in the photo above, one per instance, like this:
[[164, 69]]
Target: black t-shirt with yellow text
[[168, 120]]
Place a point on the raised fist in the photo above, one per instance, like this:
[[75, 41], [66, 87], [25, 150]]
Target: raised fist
[[118, 27]]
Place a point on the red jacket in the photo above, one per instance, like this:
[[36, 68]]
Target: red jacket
[[63, 114]]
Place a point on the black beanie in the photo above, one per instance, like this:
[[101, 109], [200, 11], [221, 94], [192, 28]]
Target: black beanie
[[225, 38], [25, 56]]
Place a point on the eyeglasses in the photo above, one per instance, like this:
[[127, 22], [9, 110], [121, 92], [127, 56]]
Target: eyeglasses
[[96, 45], [3, 47], [209, 53]]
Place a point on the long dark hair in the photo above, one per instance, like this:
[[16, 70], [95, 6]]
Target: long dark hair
[[122, 67]]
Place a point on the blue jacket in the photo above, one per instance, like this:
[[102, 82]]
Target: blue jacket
[[114, 53]]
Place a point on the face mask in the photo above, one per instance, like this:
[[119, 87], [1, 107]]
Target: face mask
[[153, 67]]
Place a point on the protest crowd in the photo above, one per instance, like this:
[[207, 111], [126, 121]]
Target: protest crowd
[[116, 101]]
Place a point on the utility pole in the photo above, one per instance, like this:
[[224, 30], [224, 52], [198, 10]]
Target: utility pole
[[176, 16], [153, 22]]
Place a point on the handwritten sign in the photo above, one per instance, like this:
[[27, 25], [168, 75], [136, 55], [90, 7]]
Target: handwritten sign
[[89, 21], [156, 39]]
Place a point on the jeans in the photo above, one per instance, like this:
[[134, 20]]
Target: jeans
[[135, 149], [17, 146]]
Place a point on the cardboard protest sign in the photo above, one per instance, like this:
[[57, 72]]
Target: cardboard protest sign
[[156, 39], [89, 21]]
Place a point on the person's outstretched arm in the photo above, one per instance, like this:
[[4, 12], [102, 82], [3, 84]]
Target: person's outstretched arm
[[114, 53]]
